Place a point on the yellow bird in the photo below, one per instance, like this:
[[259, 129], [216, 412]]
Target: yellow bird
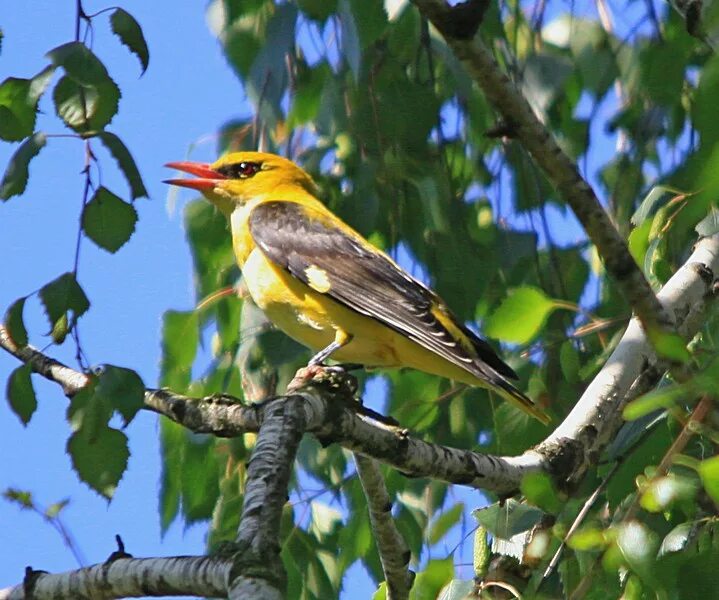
[[327, 287]]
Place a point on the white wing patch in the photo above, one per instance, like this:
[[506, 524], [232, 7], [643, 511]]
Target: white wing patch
[[317, 279]]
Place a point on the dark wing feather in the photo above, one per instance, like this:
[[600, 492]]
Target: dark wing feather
[[297, 237]]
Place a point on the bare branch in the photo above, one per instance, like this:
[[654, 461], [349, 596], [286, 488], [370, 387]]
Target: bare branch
[[393, 551], [258, 571], [199, 576], [509, 102]]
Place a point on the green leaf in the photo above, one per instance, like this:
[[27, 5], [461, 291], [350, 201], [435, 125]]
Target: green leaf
[[430, 582], [351, 48], [56, 508], [108, 220], [89, 411], [172, 444], [371, 20], [18, 105], [79, 63], [319, 10], [267, 81], [677, 539], [15, 178], [130, 33], [86, 108], [653, 201], [588, 538], [639, 546], [638, 241], [662, 493], [665, 397], [20, 393], [62, 296], [180, 338], [539, 490], [521, 316], [670, 345], [509, 519], [442, 524], [200, 474], [482, 552], [458, 589], [709, 473], [127, 164], [709, 225], [14, 322], [569, 361], [99, 460], [123, 389], [21, 497]]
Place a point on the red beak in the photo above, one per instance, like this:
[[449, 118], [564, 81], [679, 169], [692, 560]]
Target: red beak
[[207, 177]]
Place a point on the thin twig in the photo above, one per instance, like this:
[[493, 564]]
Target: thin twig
[[393, 551]]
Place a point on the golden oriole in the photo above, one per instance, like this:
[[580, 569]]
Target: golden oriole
[[327, 287]]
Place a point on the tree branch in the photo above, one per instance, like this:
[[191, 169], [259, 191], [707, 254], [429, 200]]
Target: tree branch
[[509, 102], [573, 446], [393, 551], [200, 576], [258, 571]]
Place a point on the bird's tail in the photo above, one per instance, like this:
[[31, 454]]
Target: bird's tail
[[520, 400]]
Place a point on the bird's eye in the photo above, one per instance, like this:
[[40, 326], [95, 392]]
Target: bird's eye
[[240, 170], [247, 169]]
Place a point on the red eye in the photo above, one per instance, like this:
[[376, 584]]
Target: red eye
[[240, 170], [247, 169]]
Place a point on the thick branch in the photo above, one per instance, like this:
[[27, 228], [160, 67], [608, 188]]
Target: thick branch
[[597, 416], [393, 551], [200, 576], [258, 571], [561, 171]]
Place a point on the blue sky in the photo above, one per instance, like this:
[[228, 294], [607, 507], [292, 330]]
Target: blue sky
[[187, 92]]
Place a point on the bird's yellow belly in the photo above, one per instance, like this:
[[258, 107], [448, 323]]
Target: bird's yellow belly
[[313, 319]]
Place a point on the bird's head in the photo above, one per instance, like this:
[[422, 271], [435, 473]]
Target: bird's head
[[239, 177]]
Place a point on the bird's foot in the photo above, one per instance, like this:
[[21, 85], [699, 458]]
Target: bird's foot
[[334, 376]]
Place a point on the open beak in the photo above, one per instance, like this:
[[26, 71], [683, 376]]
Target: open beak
[[206, 176]]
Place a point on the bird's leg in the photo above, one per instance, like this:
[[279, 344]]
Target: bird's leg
[[342, 338]]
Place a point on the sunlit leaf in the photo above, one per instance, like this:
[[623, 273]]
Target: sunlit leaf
[[663, 492], [520, 317], [86, 108], [709, 473]]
